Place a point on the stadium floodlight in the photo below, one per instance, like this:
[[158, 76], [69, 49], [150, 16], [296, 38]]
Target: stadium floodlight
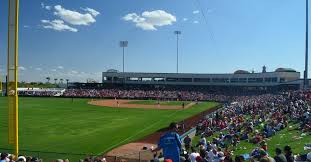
[[67, 81], [123, 44], [305, 75], [177, 33]]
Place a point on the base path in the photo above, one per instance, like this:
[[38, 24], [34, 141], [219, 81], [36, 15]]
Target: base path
[[134, 150], [127, 104]]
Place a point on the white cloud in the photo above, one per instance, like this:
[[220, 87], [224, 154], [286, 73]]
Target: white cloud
[[74, 17], [150, 20], [57, 25], [54, 70], [45, 6], [74, 72], [185, 19], [91, 11], [22, 68], [196, 12], [195, 22], [26, 26], [60, 67], [39, 69], [48, 7]]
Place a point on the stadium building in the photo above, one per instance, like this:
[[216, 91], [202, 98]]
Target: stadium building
[[240, 80]]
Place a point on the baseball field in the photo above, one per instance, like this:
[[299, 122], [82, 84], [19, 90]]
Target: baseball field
[[62, 127]]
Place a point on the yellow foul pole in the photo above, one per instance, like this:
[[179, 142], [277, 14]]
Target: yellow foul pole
[[13, 73]]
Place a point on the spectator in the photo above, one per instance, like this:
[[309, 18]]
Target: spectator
[[288, 154], [212, 154], [309, 157], [203, 141], [239, 158], [170, 144], [279, 157], [187, 142], [21, 159], [194, 154], [4, 157]]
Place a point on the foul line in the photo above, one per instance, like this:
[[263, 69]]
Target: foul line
[[137, 133]]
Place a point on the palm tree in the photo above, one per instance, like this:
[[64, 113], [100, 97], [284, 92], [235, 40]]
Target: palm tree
[[61, 81], [55, 79], [48, 79]]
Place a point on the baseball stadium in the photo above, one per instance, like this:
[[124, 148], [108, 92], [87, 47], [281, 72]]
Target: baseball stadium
[[136, 115]]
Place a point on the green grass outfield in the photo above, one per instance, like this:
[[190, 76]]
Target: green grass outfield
[[154, 102], [58, 125]]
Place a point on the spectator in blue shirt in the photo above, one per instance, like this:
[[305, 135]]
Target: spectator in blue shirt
[[170, 144]]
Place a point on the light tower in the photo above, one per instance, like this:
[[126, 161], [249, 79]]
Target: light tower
[[305, 76], [177, 33], [123, 44]]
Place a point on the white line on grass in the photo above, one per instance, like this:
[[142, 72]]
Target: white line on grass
[[150, 126]]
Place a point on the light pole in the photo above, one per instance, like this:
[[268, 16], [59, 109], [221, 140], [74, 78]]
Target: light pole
[[67, 80], [177, 33], [123, 44], [305, 77]]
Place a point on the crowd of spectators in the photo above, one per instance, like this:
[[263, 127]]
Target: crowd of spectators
[[247, 118], [253, 119], [37, 93], [40, 92], [144, 94], [5, 157]]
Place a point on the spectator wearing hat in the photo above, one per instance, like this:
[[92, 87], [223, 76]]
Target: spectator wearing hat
[[279, 156], [21, 159]]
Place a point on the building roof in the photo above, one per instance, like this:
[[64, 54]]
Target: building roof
[[285, 70], [241, 72]]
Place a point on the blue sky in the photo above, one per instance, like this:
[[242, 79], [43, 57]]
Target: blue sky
[[62, 39]]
